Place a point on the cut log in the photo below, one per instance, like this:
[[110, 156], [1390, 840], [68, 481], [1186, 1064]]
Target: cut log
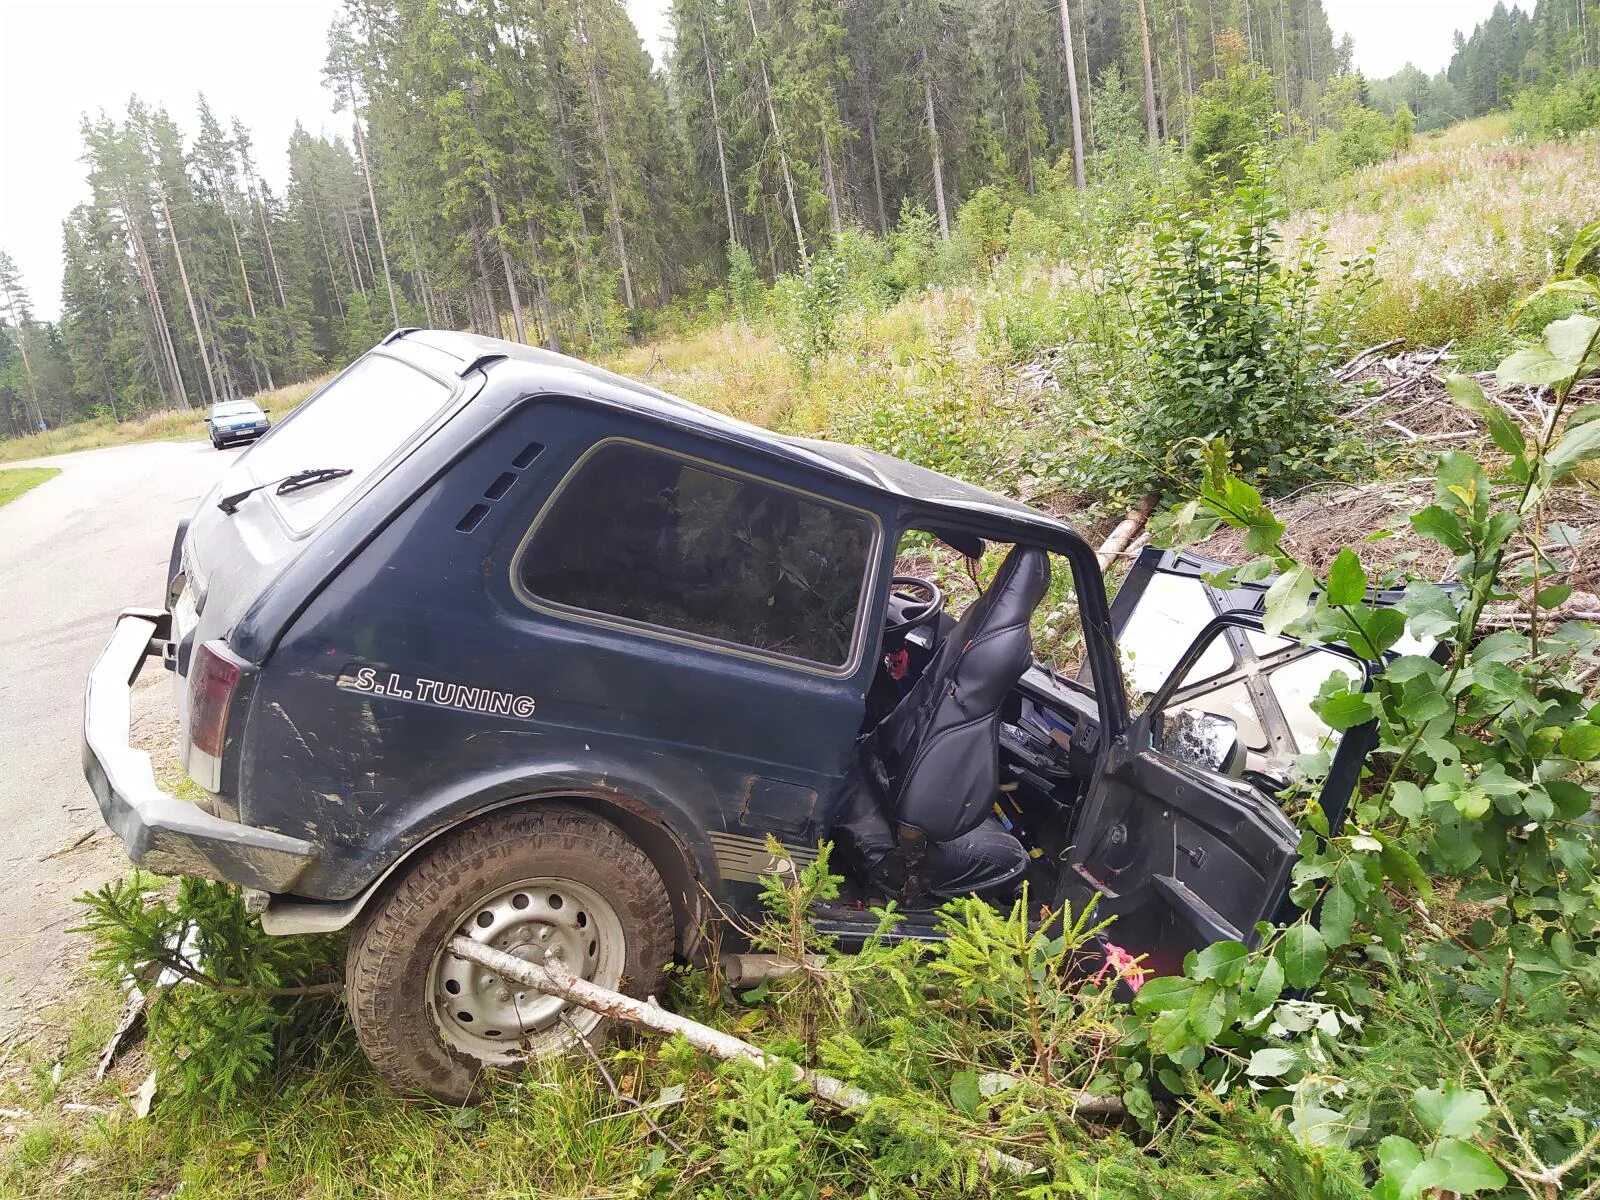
[[553, 978], [1132, 525]]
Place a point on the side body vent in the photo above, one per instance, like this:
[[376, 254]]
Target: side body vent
[[502, 484]]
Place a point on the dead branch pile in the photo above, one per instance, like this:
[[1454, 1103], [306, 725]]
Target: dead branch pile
[[1402, 401]]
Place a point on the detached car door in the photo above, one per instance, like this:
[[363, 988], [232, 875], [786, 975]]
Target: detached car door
[[1182, 834]]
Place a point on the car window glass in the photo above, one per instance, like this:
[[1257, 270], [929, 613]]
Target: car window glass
[[647, 536], [1256, 688], [356, 422], [237, 409]]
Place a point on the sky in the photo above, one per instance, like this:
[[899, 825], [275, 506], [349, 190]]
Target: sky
[[261, 60]]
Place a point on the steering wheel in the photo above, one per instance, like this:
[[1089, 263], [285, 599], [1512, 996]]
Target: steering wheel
[[919, 612]]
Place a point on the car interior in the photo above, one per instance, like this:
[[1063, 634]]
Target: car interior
[[964, 781], [975, 755]]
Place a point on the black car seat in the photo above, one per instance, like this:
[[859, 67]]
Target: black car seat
[[932, 765]]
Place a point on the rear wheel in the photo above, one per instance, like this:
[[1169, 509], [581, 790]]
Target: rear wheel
[[531, 882]]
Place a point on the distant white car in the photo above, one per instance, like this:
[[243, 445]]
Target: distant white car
[[236, 421]]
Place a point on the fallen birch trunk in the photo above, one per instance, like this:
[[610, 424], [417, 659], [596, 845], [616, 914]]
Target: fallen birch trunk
[[1124, 533], [553, 978]]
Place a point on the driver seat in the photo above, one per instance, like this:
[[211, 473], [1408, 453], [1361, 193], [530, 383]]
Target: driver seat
[[938, 758]]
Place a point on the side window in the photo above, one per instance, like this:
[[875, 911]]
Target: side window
[[644, 535]]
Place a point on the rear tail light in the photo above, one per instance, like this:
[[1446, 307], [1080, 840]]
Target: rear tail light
[[214, 677]]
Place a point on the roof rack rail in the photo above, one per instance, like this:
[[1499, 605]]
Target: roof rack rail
[[483, 360]]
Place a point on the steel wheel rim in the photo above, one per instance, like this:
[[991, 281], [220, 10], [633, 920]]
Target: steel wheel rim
[[497, 1021]]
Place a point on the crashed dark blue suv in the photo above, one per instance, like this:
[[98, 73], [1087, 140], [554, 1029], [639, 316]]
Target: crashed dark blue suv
[[484, 640]]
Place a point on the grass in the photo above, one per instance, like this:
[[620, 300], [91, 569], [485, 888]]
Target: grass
[[23, 479], [176, 425]]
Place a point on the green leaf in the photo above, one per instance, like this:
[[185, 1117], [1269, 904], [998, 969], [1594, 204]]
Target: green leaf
[[1271, 1062], [1572, 338], [1208, 1011], [1576, 446], [1584, 244], [1581, 742], [1338, 914], [1346, 710], [1379, 630], [1304, 954], [1398, 1159], [1163, 993], [1451, 1111], [1471, 802], [964, 1092], [1288, 598], [1347, 582], [1553, 596], [1442, 526], [1571, 800], [1458, 1167], [1533, 367], [1412, 666], [1263, 984], [1407, 800], [1225, 961], [1503, 428]]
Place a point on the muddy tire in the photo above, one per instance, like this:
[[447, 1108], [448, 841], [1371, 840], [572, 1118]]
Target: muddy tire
[[529, 881]]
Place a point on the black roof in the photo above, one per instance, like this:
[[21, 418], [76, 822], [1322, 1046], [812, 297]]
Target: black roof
[[546, 371]]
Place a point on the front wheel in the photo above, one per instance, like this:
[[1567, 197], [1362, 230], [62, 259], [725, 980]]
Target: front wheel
[[532, 882]]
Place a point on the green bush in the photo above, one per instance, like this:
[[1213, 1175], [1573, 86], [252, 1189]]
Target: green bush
[[231, 1005], [1234, 342], [1560, 106]]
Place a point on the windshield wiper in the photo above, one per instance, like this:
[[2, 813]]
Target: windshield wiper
[[289, 483]]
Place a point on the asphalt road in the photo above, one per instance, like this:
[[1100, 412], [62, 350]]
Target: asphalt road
[[73, 552]]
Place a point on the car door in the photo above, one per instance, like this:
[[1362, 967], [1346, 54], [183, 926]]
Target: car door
[[1182, 835]]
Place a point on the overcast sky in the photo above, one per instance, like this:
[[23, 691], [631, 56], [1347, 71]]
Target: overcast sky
[[261, 60]]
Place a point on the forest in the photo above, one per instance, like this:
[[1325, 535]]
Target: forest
[[522, 168]]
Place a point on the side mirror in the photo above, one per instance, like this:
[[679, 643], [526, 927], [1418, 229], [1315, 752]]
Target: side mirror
[[1201, 739], [265, 411]]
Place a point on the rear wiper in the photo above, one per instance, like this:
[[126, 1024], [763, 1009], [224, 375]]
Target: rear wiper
[[289, 483]]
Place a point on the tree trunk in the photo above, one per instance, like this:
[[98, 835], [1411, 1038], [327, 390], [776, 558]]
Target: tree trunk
[[1162, 123], [829, 183], [553, 978], [1072, 95], [777, 134], [188, 292], [1149, 77], [505, 259], [871, 108], [27, 368], [272, 258], [158, 308], [613, 203], [372, 199], [327, 251], [716, 125], [488, 289], [249, 299], [541, 288], [935, 150]]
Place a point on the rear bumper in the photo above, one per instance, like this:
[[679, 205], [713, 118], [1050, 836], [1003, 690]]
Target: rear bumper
[[159, 831]]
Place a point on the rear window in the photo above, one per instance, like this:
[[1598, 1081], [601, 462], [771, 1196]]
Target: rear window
[[647, 536], [359, 420]]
